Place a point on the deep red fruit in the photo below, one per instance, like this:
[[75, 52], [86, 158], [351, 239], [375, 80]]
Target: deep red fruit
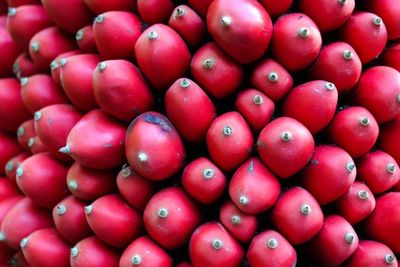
[[99, 6], [10, 52], [203, 181], [45, 247], [354, 129], [229, 20], [387, 10], [285, 146], [18, 260], [97, 141], [70, 220], [36, 145], [326, 67], [162, 55], [121, 90], [12, 165], [371, 253], [56, 63], [145, 253], [215, 71], [270, 249], [9, 148], [5, 254], [366, 33], [329, 174], [201, 6], [272, 79], [211, 245], [184, 264], [357, 204], [16, 3], [25, 132], [389, 135], [189, 109], [296, 41], [170, 217], [153, 147], [155, 11], [115, 33], [229, 141], [23, 66], [7, 189], [391, 56], [85, 39], [275, 9]]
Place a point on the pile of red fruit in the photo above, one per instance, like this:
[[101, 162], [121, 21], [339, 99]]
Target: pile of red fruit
[[157, 133]]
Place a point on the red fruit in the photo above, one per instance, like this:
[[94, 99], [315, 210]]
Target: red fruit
[[296, 41], [56, 63], [12, 165], [25, 132], [200, 6], [378, 90], [383, 224], [269, 249], [92, 252], [23, 66], [371, 253], [16, 3], [275, 9], [121, 90], [36, 145], [9, 52], [356, 204], [391, 56], [113, 221], [153, 147], [97, 141], [285, 146], [162, 55], [90, 184], [9, 148], [203, 181], [22, 219], [18, 260], [98, 6], [334, 55], [85, 39], [229, 141], [145, 253], [211, 245], [272, 79], [45, 247], [155, 11], [355, 130], [389, 135], [241, 225], [336, 242], [170, 217], [135, 189], [253, 188], [215, 71], [70, 220], [366, 33], [387, 10], [6, 204], [7, 190], [115, 33], [69, 15], [317, 97], [189, 109], [329, 174], [188, 24]]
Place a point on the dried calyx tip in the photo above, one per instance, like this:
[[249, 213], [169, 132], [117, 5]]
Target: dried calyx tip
[[2, 237], [208, 63], [389, 258], [65, 150], [342, 2], [350, 166], [329, 86], [35, 46], [363, 195], [23, 81], [226, 21], [37, 115], [305, 209], [163, 213], [79, 35], [101, 66], [20, 131], [273, 77], [217, 244], [53, 65], [227, 130], [152, 35], [208, 173], [62, 61], [99, 18], [9, 166], [136, 260], [377, 21], [24, 242], [74, 252], [398, 98], [347, 54], [61, 209], [73, 185], [11, 11], [391, 168], [31, 142], [243, 200], [235, 219], [88, 209], [365, 121], [258, 100], [304, 32], [286, 136], [179, 12], [126, 171], [272, 243], [185, 83], [142, 157], [19, 172], [349, 238]]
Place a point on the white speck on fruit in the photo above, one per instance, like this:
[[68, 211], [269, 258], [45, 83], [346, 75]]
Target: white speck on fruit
[[305, 209], [363, 195], [152, 35], [53, 65], [350, 166], [61, 209], [349, 238], [24, 81], [162, 213], [142, 157], [244, 200], [208, 173], [329, 86], [185, 83], [227, 130], [126, 171], [364, 121], [258, 100], [208, 63], [79, 35], [72, 185], [389, 258], [391, 168], [35, 46], [226, 21], [377, 21], [272, 243], [37, 115], [11, 11], [217, 244], [88, 209], [136, 260], [74, 252], [101, 66], [19, 172], [235, 219], [347, 54], [286, 136], [65, 150], [24, 242], [99, 19], [273, 77], [9, 166], [304, 32]]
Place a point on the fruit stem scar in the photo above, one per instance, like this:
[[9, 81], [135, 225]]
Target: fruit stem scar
[[258, 100], [31, 142], [126, 171], [53, 65], [226, 21], [152, 35], [363, 195], [243, 200], [208, 173], [329, 86], [11, 11], [235, 219], [179, 12], [9, 166], [24, 242], [398, 98], [389, 258], [2, 237], [63, 61], [217, 244], [185, 83], [99, 18], [19, 172], [350, 166], [272, 243], [35, 46], [61, 209], [208, 63], [24, 81], [305, 209], [227, 130], [347, 54], [136, 259], [273, 77], [142, 157], [286, 136], [365, 121], [349, 238], [304, 32], [391, 168], [74, 252], [163, 213], [101, 66], [377, 21]]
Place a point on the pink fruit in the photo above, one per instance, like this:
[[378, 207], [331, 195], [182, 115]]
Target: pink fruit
[[9, 148], [98, 6], [36, 145], [155, 11], [23, 66], [12, 165], [371, 253], [85, 39]]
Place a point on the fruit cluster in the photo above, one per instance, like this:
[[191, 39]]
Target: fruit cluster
[[158, 133]]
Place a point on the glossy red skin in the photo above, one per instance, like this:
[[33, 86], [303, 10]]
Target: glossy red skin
[[15, 112], [275, 90], [348, 133], [12, 165], [388, 139], [203, 189], [98, 6], [326, 175], [275, 9], [254, 181], [55, 65], [97, 141], [383, 224], [36, 145], [370, 253], [7, 204], [391, 56], [387, 10], [313, 97], [116, 34], [155, 11], [92, 252], [329, 247], [42, 173], [26, 22], [15, 3], [70, 219], [22, 219], [353, 208], [90, 184], [326, 66], [9, 148], [200, 6], [45, 247], [202, 253], [85, 39], [189, 25], [378, 91], [190, 109], [260, 255], [152, 136], [113, 221], [276, 153], [7, 189], [229, 151], [164, 59], [150, 253], [245, 229], [121, 90], [367, 39], [10, 52], [24, 66], [69, 15], [222, 78], [182, 218]]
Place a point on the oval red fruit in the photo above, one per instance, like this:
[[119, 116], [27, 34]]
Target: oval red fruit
[[84, 37], [372, 253], [387, 10], [12, 165], [391, 56], [155, 11], [388, 138], [275, 9], [23, 66]]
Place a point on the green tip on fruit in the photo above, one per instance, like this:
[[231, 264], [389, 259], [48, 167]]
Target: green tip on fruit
[[101, 66], [142, 157], [305, 209], [53, 65], [37, 115], [65, 150], [11, 11], [74, 252], [342, 2], [179, 12], [226, 21], [35, 46], [390, 259], [273, 77], [227, 130], [347, 54], [24, 242], [23, 81], [377, 21], [272, 243], [217, 244], [304, 32], [61, 209], [152, 35], [126, 171], [208, 63], [72, 185], [19, 172], [99, 19], [363, 195], [391, 168], [286, 136], [88, 209], [258, 100], [235, 219], [79, 35], [136, 260], [208, 173], [163, 213], [244, 200], [350, 166], [9, 166], [2, 237], [349, 238], [365, 121], [185, 83]]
